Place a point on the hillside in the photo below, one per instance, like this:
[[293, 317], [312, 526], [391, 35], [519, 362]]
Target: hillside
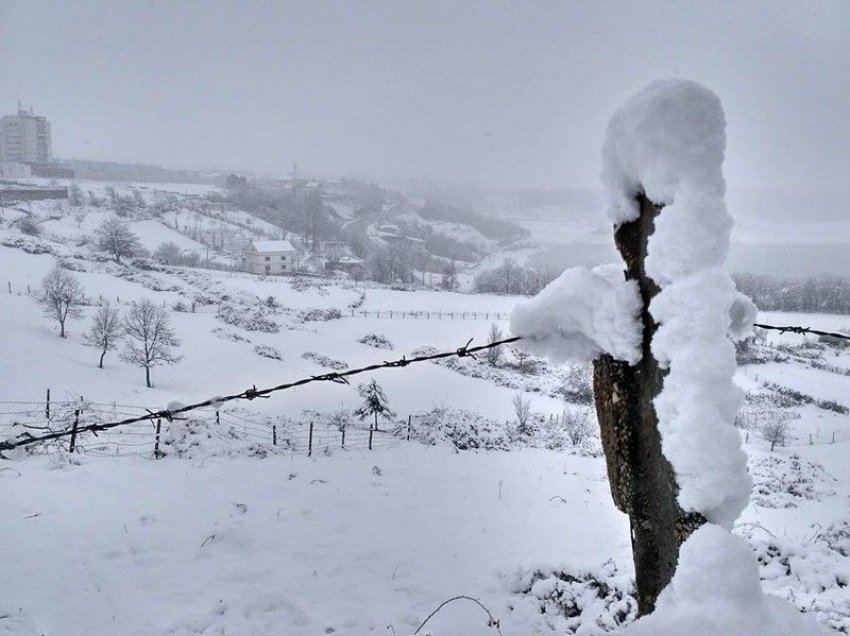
[[231, 533]]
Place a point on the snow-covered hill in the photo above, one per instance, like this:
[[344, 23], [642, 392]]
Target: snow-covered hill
[[230, 534]]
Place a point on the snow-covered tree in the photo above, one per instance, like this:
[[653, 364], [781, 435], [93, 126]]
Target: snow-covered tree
[[168, 253], [774, 432], [61, 296], [150, 338], [494, 354], [522, 410], [375, 402], [114, 236], [105, 331]]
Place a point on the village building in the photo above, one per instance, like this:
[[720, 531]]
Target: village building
[[271, 257]]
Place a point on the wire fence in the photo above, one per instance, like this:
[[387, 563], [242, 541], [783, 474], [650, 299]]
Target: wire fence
[[69, 418], [420, 314], [67, 423], [206, 431]]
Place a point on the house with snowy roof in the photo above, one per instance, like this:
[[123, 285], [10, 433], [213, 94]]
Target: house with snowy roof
[[271, 257]]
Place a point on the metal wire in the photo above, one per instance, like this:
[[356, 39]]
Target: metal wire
[[340, 377], [254, 393]]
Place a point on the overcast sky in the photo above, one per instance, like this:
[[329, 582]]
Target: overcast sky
[[513, 94]]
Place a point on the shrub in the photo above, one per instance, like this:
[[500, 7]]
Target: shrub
[[267, 351], [376, 340], [28, 227]]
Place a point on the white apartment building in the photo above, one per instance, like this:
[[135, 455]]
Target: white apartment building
[[271, 257], [25, 138]]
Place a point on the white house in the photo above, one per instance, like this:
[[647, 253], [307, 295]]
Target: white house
[[271, 257]]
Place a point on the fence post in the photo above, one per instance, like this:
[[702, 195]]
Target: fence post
[[74, 430], [47, 405], [408, 428], [310, 442], [274, 434], [343, 437], [217, 418], [28, 290], [156, 452], [371, 430]]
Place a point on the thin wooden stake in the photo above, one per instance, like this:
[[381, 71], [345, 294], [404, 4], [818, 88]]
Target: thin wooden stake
[[310, 442], [74, 430], [274, 434], [371, 430], [47, 405], [408, 427], [157, 454]]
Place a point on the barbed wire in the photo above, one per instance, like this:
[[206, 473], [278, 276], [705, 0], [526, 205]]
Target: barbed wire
[[803, 331], [339, 377]]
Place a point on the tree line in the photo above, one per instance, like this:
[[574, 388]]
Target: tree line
[[819, 294]]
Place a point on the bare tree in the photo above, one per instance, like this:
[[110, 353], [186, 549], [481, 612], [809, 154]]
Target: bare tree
[[522, 359], [494, 354], [151, 339], [577, 425], [522, 409], [61, 296], [114, 236], [774, 432], [105, 332], [339, 420]]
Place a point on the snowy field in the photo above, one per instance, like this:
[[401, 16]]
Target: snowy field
[[230, 534]]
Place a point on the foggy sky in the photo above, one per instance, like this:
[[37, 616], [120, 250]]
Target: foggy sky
[[505, 94]]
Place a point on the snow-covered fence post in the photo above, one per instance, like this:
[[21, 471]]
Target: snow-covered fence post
[[47, 405], [409, 418], [310, 442], [659, 335], [274, 434]]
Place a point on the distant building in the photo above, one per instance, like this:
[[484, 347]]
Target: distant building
[[115, 171], [51, 171], [25, 138], [14, 170], [271, 257]]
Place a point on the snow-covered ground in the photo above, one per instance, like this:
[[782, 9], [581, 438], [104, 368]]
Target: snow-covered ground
[[237, 537]]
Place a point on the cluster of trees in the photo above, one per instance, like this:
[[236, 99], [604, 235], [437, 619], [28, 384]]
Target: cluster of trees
[[169, 253], [122, 204], [513, 278], [145, 329], [821, 294]]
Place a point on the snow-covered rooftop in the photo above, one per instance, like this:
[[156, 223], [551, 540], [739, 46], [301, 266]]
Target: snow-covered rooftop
[[273, 246]]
